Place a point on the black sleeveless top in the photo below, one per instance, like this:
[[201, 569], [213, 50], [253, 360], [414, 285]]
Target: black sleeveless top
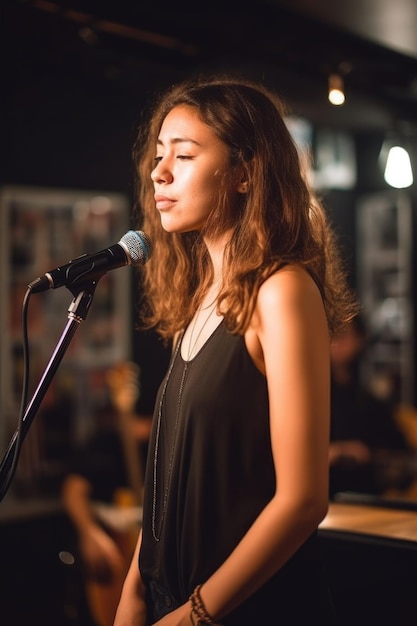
[[209, 474]]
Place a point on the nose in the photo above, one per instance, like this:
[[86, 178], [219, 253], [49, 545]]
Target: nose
[[161, 173]]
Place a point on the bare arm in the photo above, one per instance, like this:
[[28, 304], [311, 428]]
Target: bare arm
[[292, 334], [352, 449], [132, 607], [76, 491], [100, 554]]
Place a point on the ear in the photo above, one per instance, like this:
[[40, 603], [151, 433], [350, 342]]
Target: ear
[[243, 183]]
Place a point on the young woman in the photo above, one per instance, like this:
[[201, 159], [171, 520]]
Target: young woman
[[246, 281]]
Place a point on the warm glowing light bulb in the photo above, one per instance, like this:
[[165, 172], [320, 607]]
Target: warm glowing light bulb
[[336, 97], [398, 172], [336, 90]]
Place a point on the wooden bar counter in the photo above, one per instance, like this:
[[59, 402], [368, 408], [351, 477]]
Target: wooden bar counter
[[372, 521]]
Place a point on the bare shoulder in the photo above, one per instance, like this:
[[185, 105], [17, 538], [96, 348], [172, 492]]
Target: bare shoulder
[[289, 286], [290, 301], [289, 312]]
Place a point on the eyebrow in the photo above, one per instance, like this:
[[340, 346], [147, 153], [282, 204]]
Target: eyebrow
[[177, 140]]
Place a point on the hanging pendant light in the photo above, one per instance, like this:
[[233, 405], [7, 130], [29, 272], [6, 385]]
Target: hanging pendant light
[[398, 172]]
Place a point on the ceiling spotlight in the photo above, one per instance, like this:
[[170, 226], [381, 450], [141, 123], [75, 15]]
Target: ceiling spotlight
[[336, 89]]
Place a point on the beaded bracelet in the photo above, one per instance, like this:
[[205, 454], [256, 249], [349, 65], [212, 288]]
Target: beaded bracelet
[[199, 610]]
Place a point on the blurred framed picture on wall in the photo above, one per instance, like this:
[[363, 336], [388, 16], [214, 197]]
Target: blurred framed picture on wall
[[41, 229]]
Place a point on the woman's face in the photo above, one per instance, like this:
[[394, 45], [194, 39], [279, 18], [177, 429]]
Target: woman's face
[[191, 163]]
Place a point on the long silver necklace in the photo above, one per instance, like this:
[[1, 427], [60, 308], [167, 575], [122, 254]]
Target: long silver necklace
[[191, 347]]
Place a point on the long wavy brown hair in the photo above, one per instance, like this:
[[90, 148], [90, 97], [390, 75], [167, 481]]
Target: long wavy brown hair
[[278, 221]]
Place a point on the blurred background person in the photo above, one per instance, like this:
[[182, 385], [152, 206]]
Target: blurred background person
[[102, 495], [369, 452]]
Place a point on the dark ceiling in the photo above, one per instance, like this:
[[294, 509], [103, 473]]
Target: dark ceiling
[[137, 46]]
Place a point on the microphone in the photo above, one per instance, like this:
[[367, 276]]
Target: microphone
[[134, 248]]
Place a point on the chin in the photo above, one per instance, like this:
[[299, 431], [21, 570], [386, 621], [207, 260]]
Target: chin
[[168, 225], [171, 227]]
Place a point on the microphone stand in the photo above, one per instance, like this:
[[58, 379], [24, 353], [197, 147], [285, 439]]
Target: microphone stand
[[77, 312]]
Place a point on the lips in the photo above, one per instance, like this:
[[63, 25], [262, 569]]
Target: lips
[[163, 202]]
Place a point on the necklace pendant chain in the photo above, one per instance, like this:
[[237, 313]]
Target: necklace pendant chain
[[191, 345]]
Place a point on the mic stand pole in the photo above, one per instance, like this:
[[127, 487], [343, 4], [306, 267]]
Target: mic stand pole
[[77, 312]]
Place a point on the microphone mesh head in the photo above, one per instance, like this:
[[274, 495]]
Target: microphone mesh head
[[138, 246]]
